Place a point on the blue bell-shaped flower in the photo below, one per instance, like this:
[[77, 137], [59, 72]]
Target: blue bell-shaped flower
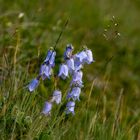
[[75, 93], [47, 108], [63, 71], [70, 64], [33, 84], [68, 51], [70, 107], [57, 96]]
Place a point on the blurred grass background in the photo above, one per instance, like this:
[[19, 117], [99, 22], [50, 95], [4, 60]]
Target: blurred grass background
[[111, 29]]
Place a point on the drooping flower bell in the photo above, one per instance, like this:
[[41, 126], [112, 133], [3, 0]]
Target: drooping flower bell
[[70, 107], [89, 59], [33, 84], [80, 57], [74, 93], [63, 71], [47, 108], [83, 57], [77, 65], [57, 96], [70, 64], [77, 78], [79, 60], [50, 58], [68, 51], [45, 71]]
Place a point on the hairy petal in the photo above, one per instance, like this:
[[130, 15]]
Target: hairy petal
[[33, 84], [89, 59], [74, 94], [70, 64], [70, 107], [68, 51], [45, 71], [63, 71], [47, 108], [57, 96]]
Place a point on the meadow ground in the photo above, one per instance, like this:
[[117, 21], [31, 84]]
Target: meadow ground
[[109, 107]]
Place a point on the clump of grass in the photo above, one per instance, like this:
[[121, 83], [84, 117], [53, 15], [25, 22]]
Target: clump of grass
[[99, 119]]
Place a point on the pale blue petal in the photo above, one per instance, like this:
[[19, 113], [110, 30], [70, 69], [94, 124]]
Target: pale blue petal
[[70, 64], [63, 71], [75, 93], [45, 71], [77, 63], [89, 58], [48, 71], [33, 84], [77, 76], [70, 107], [52, 59], [68, 51], [57, 96], [49, 53], [81, 56], [47, 108]]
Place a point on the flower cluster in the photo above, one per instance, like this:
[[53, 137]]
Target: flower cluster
[[45, 70], [77, 61], [72, 67]]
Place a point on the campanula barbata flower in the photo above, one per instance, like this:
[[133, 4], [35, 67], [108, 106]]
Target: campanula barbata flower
[[70, 64], [57, 96], [77, 65], [33, 84], [77, 79], [45, 71], [49, 53], [74, 93], [68, 51], [81, 56], [89, 59], [50, 58], [47, 108], [63, 71], [77, 76], [70, 107]]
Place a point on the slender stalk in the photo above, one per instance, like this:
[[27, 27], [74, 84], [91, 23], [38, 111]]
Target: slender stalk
[[116, 120], [65, 25]]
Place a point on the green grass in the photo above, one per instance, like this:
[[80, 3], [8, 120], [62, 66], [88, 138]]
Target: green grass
[[109, 108]]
